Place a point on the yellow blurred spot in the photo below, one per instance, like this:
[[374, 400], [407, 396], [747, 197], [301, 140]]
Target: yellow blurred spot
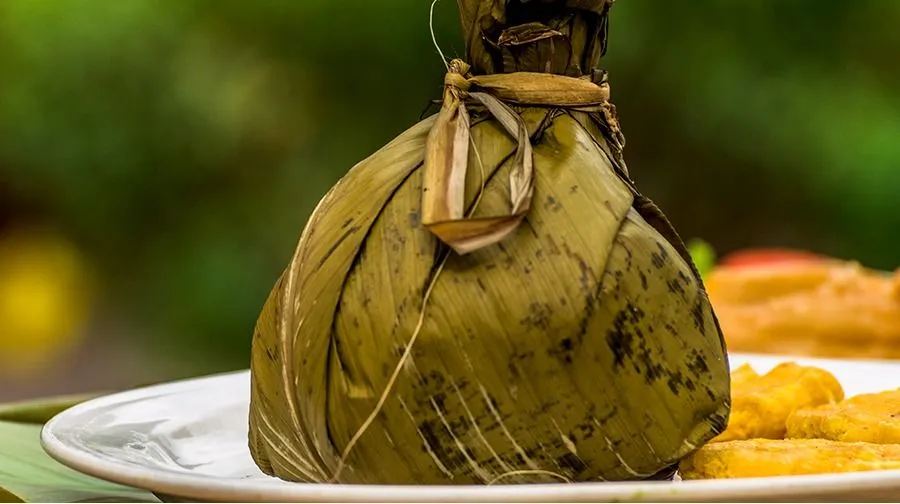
[[44, 299]]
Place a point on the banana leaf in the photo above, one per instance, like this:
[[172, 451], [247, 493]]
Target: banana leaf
[[39, 411], [28, 474]]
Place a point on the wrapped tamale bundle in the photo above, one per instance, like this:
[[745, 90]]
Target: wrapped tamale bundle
[[488, 299]]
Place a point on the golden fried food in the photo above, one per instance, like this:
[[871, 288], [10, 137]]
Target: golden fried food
[[872, 418], [826, 434], [826, 308], [742, 378], [760, 407], [790, 457]]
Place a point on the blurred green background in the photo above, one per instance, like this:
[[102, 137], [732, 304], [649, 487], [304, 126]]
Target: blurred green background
[[159, 158]]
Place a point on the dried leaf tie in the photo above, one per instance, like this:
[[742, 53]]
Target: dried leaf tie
[[447, 148]]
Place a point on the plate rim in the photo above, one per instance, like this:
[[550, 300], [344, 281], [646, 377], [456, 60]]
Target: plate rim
[[208, 487]]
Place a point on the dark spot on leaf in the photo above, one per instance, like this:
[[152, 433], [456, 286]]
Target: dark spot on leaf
[[493, 402], [532, 452], [637, 314], [539, 316], [697, 365], [657, 260], [608, 416], [620, 340], [438, 400], [564, 351], [529, 354], [582, 431], [571, 462], [435, 433], [590, 307], [675, 286], [587, 277], [548, 405], [652, 371], [697, 312], [433, 383], [643, 277], [552, 204], [675, 381], [662, 251]]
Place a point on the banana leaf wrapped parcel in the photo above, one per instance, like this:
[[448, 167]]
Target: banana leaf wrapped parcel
[[488, 298]]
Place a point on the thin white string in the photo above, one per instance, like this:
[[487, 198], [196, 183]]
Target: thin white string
[[434, 37]]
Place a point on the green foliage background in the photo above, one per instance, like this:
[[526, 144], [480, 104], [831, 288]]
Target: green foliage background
[[182, 143]]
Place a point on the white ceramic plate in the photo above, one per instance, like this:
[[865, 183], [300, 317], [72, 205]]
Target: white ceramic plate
[[189, 439]]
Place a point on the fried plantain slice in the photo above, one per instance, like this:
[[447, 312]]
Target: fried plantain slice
[[760, 407], [786, 457], [872, 418]]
